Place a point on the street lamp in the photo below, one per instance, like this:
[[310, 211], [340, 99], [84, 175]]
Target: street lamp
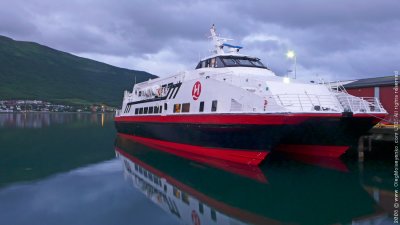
[[292, 55]]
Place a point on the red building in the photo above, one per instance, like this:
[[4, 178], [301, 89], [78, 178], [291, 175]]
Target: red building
[[379, 87]]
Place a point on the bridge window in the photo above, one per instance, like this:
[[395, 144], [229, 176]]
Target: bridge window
[[151, 110], [245, 62], [219, 62], [146, 110], [137, 111], [230, 62], [155, 109], [141, 111], [242, 61]]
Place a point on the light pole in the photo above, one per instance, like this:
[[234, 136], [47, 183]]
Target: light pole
[[292, 55]]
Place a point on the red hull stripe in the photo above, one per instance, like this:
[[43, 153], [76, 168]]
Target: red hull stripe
[[248, 157], [376, 115], [255, 119], [313, 150]]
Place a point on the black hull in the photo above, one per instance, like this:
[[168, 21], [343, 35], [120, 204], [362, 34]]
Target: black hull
[[344, 131], [246, 137], [313, 130]]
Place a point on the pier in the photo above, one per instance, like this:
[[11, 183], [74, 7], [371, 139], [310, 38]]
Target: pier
[[381, 135]]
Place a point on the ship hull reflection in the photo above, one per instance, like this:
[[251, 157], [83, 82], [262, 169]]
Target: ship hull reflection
[[199, 194]]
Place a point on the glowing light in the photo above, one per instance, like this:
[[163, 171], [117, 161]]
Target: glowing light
[[286, 80], [290, 54]]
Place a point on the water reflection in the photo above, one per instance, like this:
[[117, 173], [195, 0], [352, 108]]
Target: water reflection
[[294, 192], [36, 145], [94, 194], [43, 119]]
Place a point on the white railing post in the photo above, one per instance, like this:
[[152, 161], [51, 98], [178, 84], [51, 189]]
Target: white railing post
[[301, 105], [349, 104]]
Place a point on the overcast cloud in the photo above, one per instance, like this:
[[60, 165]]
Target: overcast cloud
[[335, 39]]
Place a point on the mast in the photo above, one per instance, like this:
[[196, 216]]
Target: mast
[[220, 42]]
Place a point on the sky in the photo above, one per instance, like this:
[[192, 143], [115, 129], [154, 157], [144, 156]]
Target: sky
[[333, 40]]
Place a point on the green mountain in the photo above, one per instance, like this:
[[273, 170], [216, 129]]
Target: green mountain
[[32, 71]]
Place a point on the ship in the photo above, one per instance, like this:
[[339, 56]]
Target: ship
[[233, 107]]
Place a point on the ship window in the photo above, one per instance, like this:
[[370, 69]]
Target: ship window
[[140, 170], [230, 62], [136, 167], [257, 63], [212, 62], [161, 108], [214, 106], [198, 65], [151, 110], [141, 111], [201, 109], [185, 198], [203, 64], [155, 109], [177, 193], [242, 61], [165, 107], [185, 107], [219, 62], [177, 108], [213, 215], [201, 208], [137, 111], [146, 110], [245, 62], [140, 93], [207, 63]]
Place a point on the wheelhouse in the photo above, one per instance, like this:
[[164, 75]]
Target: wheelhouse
[[230, 61]]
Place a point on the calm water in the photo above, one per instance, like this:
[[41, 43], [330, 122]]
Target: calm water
[[73, 169]]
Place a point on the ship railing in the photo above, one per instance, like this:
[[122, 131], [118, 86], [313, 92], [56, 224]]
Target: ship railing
[[360, 104], [308, 102]]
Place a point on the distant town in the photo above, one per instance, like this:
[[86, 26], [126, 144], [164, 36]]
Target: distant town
[[43, 106]]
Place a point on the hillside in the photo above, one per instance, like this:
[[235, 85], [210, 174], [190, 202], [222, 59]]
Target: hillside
[[33, 71]]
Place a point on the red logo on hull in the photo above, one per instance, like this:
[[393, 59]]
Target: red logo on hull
[[196, 90]]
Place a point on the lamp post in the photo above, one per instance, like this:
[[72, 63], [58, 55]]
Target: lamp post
[[292, 55]]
